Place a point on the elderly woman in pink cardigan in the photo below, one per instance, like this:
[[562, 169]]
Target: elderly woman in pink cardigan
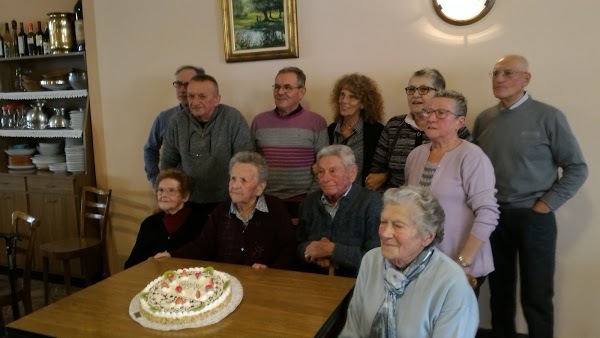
[[461, 176]]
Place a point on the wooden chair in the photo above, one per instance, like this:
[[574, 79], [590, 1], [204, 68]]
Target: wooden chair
[[25, 247], [91, 243]]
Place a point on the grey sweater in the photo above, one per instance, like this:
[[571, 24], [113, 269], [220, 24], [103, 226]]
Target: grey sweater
[[203, 152], [527, 145]]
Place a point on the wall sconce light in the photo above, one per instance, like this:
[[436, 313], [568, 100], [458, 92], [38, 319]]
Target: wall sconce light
[[462, 12]]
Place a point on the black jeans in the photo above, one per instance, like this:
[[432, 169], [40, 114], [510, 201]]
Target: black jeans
[[533, 236]]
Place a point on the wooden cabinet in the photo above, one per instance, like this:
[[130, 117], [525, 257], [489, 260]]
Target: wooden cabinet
[[54, 198]]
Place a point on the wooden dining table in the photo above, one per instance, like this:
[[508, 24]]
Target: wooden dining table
[[275, 303]]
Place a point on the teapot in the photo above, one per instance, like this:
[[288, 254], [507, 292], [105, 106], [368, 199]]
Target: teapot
[[36, 117]]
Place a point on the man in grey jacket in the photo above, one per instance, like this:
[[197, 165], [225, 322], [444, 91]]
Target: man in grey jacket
[[527, 142], [203, 138]]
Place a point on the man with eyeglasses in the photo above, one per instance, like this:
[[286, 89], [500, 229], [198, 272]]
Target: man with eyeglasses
[[289, 137], [527, 142], [183, 75]]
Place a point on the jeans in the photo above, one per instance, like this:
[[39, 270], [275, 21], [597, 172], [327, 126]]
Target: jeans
[[533, 236]]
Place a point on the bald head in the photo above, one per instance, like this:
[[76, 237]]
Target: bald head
[[509, 79], [517, 61]]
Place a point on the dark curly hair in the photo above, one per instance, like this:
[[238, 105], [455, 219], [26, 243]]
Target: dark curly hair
[[366, 91]]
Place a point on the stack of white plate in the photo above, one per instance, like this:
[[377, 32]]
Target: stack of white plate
[[49, 149], [75, 158], [58, 167], [73, 141], [42, 162], [76, 119]]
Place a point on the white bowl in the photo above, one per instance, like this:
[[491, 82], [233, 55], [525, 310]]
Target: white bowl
[[48, 151], [17, 152]]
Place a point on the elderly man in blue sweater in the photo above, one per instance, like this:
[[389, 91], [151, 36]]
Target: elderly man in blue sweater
[[339, 223], [527, 142]]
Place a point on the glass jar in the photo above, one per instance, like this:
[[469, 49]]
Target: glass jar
[[62, 35]]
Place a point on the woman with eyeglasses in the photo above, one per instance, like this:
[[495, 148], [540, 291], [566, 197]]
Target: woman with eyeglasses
[[178, 221], [403, 133], [358, 106], [462, 178]]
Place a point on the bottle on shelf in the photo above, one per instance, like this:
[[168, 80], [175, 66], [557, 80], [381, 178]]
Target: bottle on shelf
[[8, 42], [18, 80], [22, 41], [79, 34], [31, 49], [39, 39], [46, 41], [2, 54], [15, 38]]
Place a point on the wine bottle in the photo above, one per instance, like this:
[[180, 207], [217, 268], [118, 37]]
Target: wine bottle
[[2, 55], [22, 41], [31, 50], [39, 39], [8, 42], [79, 34], [46, 41], [15, 38]]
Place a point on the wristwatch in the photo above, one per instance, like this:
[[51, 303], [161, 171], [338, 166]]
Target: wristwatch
[[463, 262]]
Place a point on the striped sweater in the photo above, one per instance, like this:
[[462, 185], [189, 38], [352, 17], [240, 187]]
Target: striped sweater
[[289, 144], [397, 140]]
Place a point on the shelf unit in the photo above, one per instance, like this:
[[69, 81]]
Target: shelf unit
[[52, 197]]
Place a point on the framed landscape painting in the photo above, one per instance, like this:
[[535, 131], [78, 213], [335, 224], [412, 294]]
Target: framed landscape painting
[[259, 29]]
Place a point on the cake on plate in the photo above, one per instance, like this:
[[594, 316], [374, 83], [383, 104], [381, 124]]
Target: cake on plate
[[185, 295]]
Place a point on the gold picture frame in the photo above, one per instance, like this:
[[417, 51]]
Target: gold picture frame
[[259, 30]]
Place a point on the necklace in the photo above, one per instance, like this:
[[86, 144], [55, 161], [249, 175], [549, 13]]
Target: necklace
[[348, 126]]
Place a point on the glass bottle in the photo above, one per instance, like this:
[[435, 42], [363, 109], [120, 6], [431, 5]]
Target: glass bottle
[[15, 38], [31, 50], [22, 41], [8, 42], [39, 39], [79, 34], [46, 41], [18, 80], [2, 54]]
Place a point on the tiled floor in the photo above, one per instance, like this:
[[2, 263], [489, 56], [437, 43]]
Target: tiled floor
[[57, 291]]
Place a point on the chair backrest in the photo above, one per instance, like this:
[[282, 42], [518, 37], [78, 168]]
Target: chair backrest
[[26, 245], [93, 221]]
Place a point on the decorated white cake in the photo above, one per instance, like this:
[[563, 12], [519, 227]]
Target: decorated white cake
[[185, 295]]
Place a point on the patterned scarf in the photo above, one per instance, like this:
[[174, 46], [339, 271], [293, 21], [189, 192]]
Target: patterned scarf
[[384, 324]]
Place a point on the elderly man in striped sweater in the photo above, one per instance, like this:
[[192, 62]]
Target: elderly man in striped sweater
[[289, 137]]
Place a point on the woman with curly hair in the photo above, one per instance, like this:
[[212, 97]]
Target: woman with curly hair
[[358, 106]]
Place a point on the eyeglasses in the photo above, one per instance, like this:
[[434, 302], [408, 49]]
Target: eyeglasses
[[179, 84], [286, 88], [507, 73], [168, 191], [439, 113], [423, 90]]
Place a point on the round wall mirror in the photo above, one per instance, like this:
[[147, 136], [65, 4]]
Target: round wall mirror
[[462, 12]]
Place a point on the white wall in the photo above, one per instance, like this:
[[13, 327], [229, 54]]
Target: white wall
[[134, 47]]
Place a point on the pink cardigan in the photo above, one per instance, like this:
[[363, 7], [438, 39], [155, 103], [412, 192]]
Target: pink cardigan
[[464, 183]]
